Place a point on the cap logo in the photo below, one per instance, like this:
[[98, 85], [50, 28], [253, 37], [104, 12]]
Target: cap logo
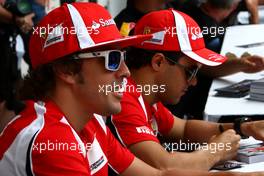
[[95, 25], [158, 38], [102, 23], [197, 36], [105, 23], [54, 36], [147, 30], [215, 57]]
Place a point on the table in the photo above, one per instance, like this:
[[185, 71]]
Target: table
[[218, 106], [241, 35]]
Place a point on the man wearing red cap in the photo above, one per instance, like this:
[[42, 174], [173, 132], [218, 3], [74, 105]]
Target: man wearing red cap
[[162, 69], [74, 50], [51, 135]]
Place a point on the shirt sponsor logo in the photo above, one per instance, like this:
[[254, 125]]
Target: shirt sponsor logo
[[96, 157], [97, 163], [145, 130]]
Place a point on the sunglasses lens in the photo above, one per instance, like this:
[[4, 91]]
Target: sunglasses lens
[[114, 60]]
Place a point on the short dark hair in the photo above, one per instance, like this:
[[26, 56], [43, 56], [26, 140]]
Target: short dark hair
[[40, 82], [137, 57]]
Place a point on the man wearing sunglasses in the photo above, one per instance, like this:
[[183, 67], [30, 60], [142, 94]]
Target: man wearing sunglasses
[[59, 131], [162, 69]]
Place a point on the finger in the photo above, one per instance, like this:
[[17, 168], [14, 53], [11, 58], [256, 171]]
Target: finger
[[31, 15], [257, 59], [250, 63], [230, 131], [213, 137], [238, 137]]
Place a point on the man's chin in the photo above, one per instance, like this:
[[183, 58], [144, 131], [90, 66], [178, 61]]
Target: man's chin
[[112, 110], [116, 111]]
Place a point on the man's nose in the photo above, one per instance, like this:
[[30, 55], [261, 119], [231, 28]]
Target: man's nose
[[123, 70]]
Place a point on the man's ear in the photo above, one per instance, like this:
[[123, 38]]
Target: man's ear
[[67, 77], [158, 61]]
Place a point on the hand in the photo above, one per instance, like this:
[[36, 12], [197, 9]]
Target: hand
[[255, 129], [252, 7], [25, 23], [252, 64], [230, 140], [42, 2]]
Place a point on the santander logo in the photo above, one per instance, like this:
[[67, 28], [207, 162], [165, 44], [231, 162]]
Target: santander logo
[[197, 36], [215, 57], [105, 23], [102, 23], [95, 25]]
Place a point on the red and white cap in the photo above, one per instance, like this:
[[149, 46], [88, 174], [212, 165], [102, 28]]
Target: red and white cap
[[175, 31], [75, 27]]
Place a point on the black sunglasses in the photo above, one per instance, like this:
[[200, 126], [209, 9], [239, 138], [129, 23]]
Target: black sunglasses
[[190, 72]]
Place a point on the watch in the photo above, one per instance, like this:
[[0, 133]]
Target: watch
[[237, 126]]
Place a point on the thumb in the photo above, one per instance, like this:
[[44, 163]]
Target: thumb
[[31, 15], [249, 63], [212, 138]]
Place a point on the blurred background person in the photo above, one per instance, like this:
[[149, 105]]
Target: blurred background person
[[12, 22], [38, 8], [134, 10]]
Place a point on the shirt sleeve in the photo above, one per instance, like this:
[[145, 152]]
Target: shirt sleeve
[[119, 158], [57, 154], [131, 125], [164, 118], [59, 163]]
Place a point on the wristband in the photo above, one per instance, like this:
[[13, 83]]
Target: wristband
[[221, 128], [237, 126]]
